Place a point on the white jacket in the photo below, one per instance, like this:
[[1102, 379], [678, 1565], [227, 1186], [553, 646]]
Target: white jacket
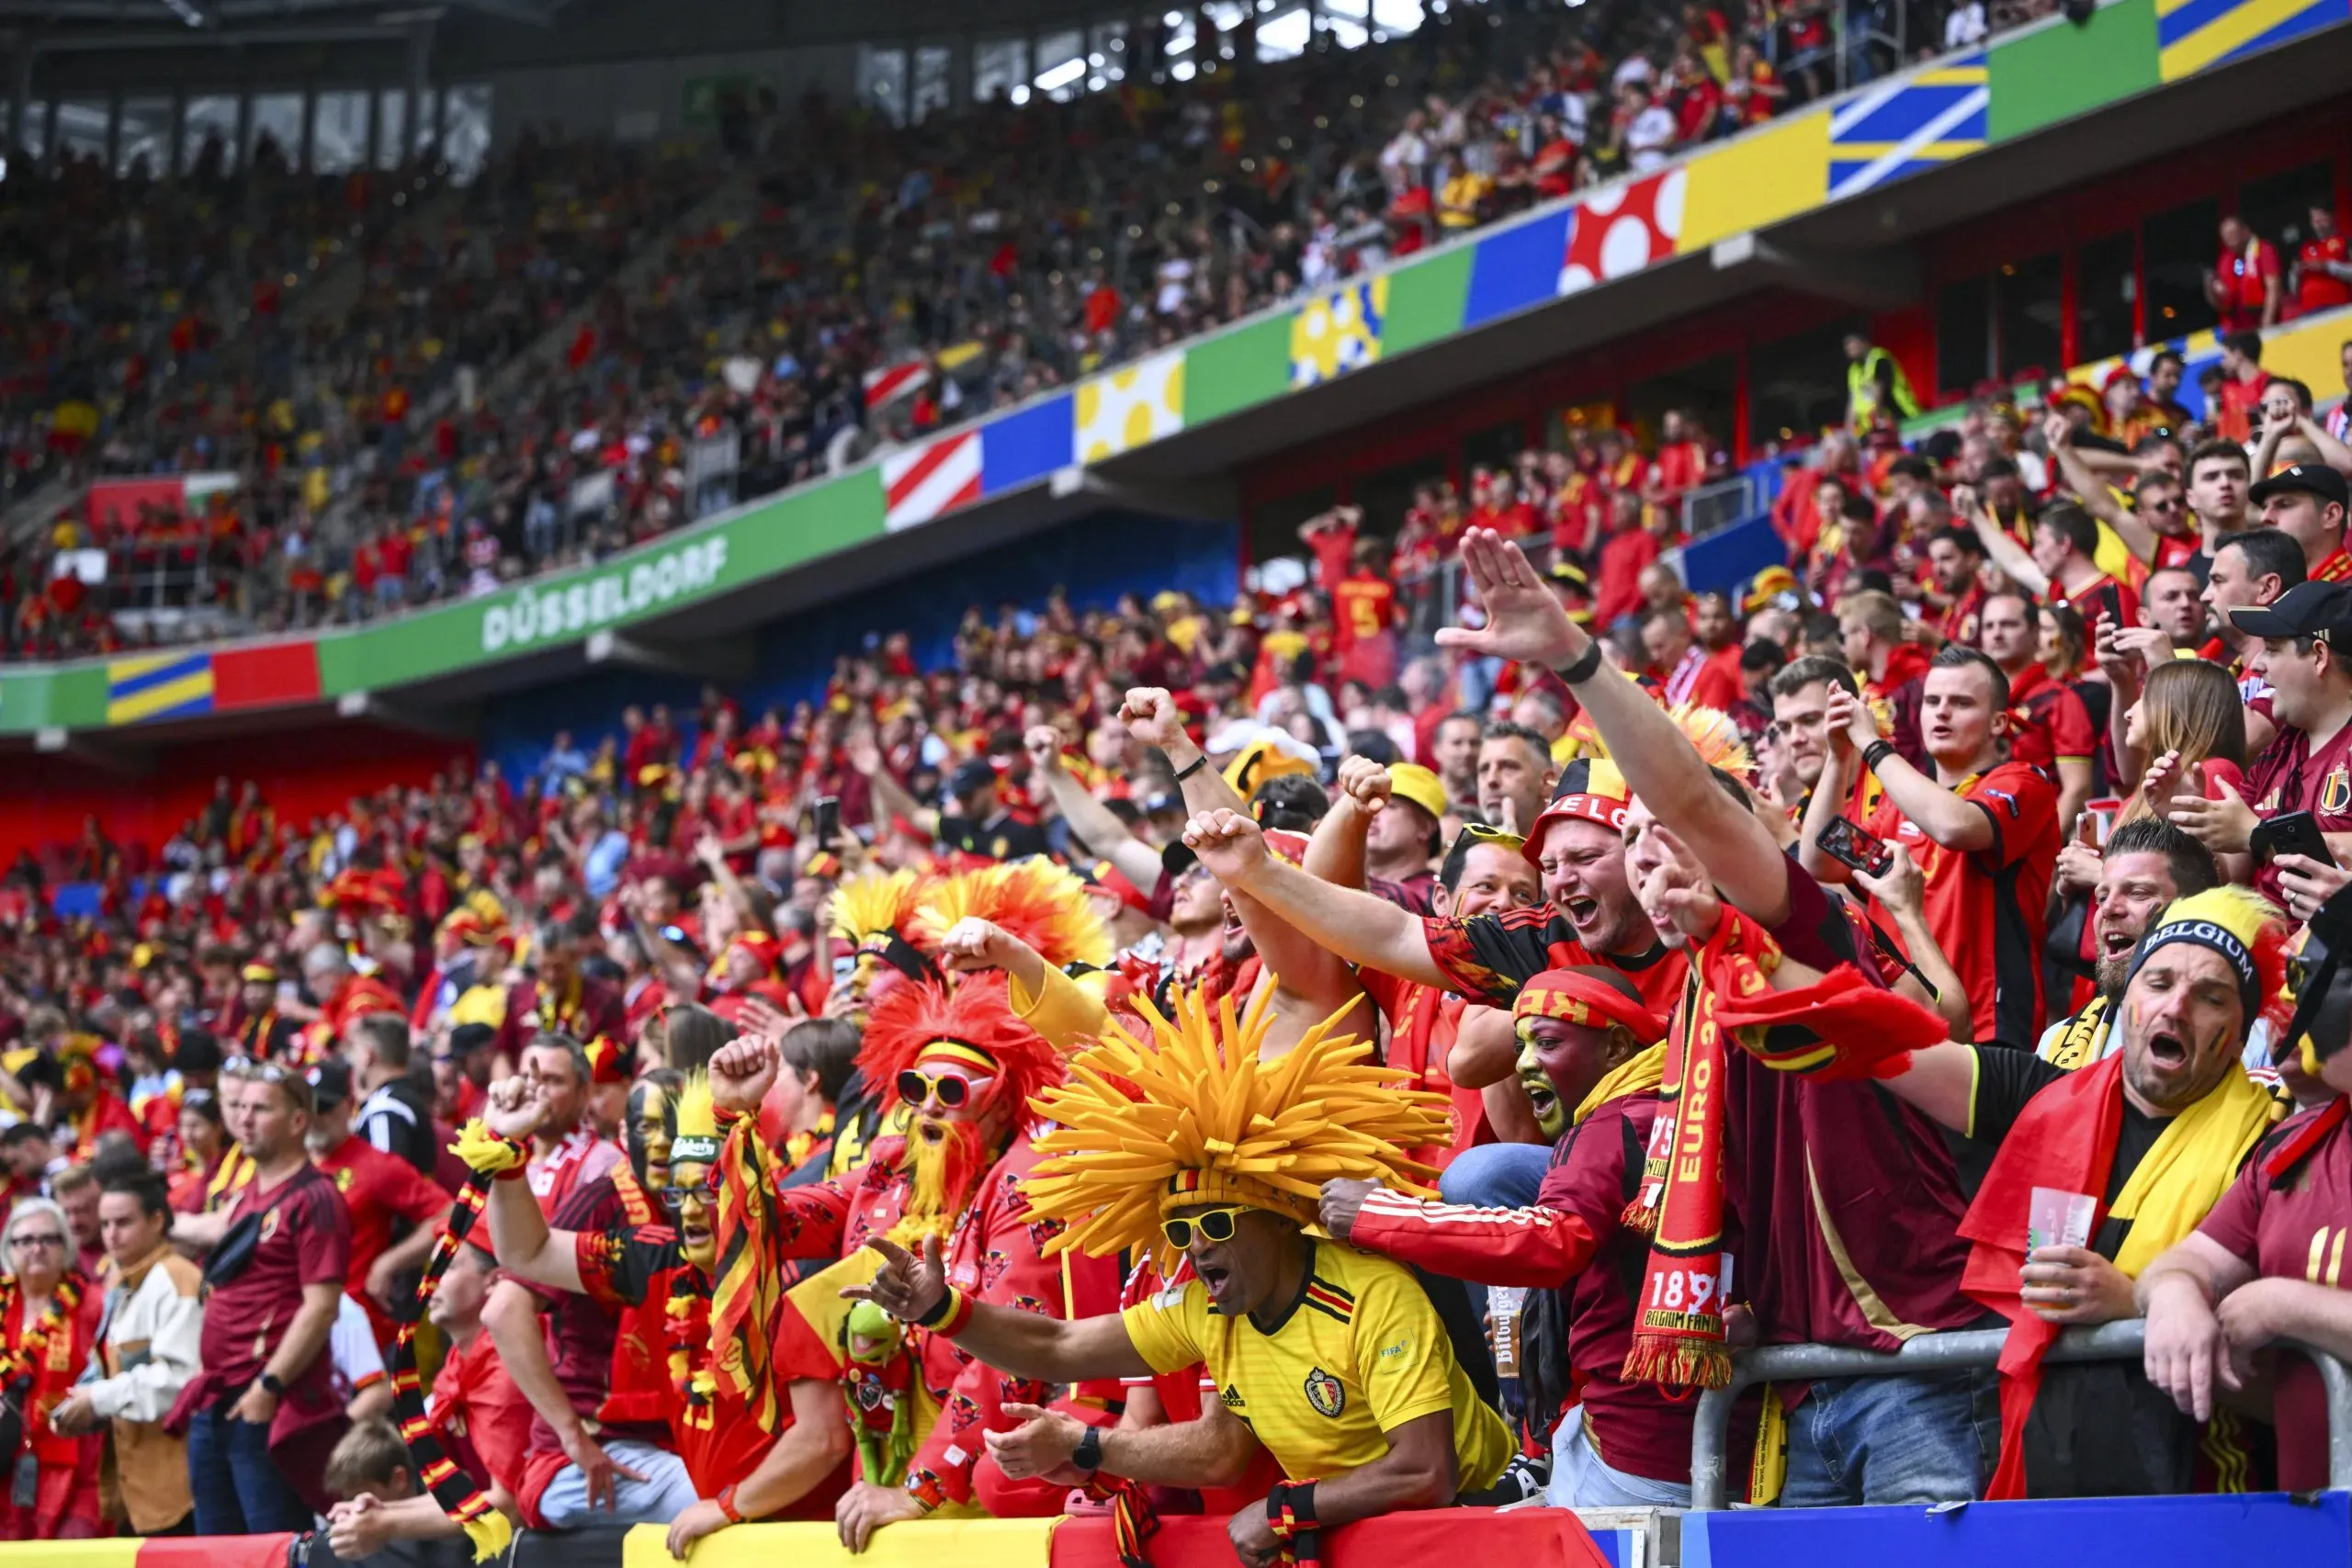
[[153, 1331]]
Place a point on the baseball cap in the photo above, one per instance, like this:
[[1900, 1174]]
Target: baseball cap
[[1590, 788], [2312, 478], [331, 1082], [1410, 780], [970, 777], [2308, 609]]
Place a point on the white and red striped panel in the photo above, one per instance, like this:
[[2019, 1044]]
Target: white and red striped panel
[[920, 483], [895, 381]]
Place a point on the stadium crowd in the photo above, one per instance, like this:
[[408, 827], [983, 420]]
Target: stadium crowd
[[890, 1107], [913, 277]]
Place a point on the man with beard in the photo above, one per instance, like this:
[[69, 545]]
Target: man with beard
[[966, 1069], [1846, 1200], [740, 1469], [1956, 560], [1332, 1358], [260, 1033], [2154, 1132], [2146, 865], [1514, 777], [1591, 1057], [1591, 915]]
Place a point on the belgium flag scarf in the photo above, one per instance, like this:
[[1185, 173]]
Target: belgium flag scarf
[[486, 1156], [2065, 1139], [1840, 1027]]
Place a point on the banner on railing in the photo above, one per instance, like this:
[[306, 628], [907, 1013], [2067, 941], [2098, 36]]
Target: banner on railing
[[117, 505]]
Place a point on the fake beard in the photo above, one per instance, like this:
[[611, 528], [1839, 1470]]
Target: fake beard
[[943, 1177]]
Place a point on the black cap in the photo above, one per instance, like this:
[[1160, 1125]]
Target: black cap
[[331, 1082], [970, 778], [2308, 609], [2312, 478]]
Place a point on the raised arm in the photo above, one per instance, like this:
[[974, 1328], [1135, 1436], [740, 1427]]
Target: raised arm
[[1216, 1449], [1089, 818], [1935, 811], [1902, 892], [2012, 558], [1025, 1344], [1152, 716], [1367, 931], [1527, 623], [1335, 853], [2094, 493]]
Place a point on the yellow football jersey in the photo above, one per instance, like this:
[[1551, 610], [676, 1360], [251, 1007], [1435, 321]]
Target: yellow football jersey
[[1359, 1354]]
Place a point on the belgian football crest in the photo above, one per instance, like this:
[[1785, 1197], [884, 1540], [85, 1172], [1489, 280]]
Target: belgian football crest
[[1324, 1393], [2335, 794]]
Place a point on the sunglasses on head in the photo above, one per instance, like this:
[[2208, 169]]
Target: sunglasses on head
[[954, 1092], [1480, 833], [1217, 1225], [260, 1072]]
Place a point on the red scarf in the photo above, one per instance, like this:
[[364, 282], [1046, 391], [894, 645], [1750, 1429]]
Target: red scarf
[[1842, 1026]]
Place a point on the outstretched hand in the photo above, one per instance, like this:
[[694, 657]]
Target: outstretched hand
[[906, 1286], [1525, 620]]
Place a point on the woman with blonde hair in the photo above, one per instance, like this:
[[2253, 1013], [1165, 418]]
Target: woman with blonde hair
[[2191, 721]]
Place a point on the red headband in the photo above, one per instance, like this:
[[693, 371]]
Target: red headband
[[1577, 996]]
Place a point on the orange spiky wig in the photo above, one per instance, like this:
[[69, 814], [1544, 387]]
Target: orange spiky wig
[[972, 1024], [1043, 904], [875, 911], [1717, 737]]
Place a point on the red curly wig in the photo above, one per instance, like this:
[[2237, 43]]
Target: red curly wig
[[977, 1014]]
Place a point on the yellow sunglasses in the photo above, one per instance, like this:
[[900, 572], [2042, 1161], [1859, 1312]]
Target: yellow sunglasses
[[1217, 1225]]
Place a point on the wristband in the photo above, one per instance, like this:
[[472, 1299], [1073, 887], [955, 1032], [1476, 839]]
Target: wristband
[[1290, 1519], [1876, 752], [1194, 766], [272, 1385], [724, 1116], [924, 1488], [725, 1501], [948, 1314], [1585, 666], [1088, 1455]]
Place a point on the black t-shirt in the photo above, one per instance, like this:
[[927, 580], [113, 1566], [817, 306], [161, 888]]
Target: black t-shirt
[[2099, 1429], [2006, 1080], [398, 1119]]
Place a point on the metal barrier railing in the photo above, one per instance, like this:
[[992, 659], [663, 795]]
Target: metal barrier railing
[[1959, 1351], [1706, 508]]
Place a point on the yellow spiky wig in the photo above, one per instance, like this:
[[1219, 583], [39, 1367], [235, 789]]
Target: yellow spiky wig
[[698, 1138], [875, 912], [1190, 1115], [1043, 904]]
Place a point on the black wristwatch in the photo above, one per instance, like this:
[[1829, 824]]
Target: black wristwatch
[[1088, 1455], [271, 1386]]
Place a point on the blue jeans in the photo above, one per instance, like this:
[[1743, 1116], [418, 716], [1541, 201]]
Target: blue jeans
[[1495, 1176], [237, 1488], [1930, 1439], [662, 1496], [1581, 1480]]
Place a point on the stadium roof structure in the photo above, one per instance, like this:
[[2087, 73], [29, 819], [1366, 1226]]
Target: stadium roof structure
[[78, 26]]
